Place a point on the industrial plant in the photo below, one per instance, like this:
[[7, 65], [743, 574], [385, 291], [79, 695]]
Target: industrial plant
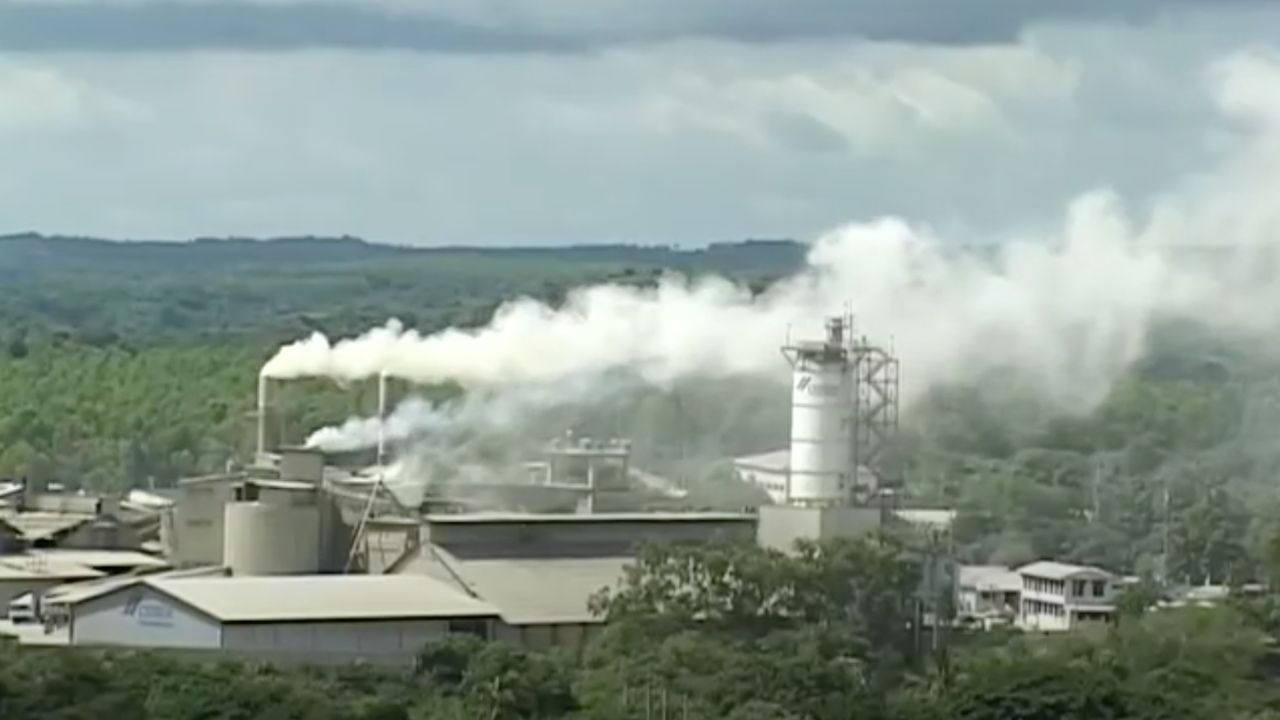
[[306, 555]]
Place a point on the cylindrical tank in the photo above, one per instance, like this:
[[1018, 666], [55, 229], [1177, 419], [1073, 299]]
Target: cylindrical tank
[[821, 417], [269, 539]]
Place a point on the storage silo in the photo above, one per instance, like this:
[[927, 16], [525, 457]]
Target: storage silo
[[271, 539], [822, 407]]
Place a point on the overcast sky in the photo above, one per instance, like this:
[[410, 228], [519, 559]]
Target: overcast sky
[[554, 121]]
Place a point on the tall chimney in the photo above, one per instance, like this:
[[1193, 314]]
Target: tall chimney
[[382, 417], [262, 414]]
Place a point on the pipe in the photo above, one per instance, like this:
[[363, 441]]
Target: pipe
[[262, 415]]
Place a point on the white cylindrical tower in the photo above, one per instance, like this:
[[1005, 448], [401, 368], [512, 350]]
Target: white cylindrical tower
[[821, 420]]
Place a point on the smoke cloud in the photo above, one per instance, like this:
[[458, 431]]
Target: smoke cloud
[[1067, 310]]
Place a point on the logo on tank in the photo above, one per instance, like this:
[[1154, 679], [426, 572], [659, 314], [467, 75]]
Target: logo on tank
[[806, 385]]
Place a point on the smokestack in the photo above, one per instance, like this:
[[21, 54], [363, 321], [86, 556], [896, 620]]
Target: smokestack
[[262, 414], [382, 417]]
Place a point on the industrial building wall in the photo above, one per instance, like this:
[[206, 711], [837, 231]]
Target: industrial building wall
[[780, 526], [198, 523], [11, 589], [136, 615], [385, 641], [108, 534], [263, 539], [773, 483], [602, 538], [566, 636]]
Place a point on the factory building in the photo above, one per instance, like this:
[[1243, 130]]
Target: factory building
[[264, 521], [34, 518], [23, 575], [317, 619], [540, 570], [293, 558]]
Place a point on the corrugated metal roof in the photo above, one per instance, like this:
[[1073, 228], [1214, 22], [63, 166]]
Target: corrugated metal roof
[[102, 558], [611, 517], [933, 517], [77, 592], [1058, 571], [778, 461], [322, 597], [996, 578], [526, 591], [535, 592], [44, 525], [25, 567]]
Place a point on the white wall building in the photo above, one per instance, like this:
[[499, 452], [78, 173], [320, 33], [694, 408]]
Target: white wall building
[[1057, 596], [317, 619], [989, 594]]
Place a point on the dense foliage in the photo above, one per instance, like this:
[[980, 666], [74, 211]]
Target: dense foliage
[[721, 632], [1173, 475], [123, 363]]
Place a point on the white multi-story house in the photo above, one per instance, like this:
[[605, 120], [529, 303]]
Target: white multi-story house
[[1058, 596], [988, 594]]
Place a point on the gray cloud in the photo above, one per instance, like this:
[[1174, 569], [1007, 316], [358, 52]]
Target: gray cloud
[[516, 26], [681, 142]]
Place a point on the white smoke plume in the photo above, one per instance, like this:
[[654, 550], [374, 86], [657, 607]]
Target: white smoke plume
[[493, 412], [1068, 311]]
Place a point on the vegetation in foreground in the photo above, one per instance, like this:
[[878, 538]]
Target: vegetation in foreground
[[723, 632]]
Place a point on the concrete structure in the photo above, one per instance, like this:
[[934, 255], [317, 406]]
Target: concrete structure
[[199, 518], [294, 525], [780, 527], [301, 465], [1057, 596], [988, 594], [318, 619], [264, 538]]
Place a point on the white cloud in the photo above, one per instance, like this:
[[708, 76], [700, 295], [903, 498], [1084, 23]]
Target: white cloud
[[35, 98]]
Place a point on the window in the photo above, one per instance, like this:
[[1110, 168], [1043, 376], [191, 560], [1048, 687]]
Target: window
[[1099, 588], [1077, 588], [479, 628]]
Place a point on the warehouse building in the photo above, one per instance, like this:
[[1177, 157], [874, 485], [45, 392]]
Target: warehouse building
[[24, 575], [539, 571], [316, 619]]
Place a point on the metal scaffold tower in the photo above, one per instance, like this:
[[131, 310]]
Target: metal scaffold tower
[[875, 417]]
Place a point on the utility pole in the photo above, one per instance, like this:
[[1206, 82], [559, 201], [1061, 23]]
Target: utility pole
[[1164, 537], [1097, 479]]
